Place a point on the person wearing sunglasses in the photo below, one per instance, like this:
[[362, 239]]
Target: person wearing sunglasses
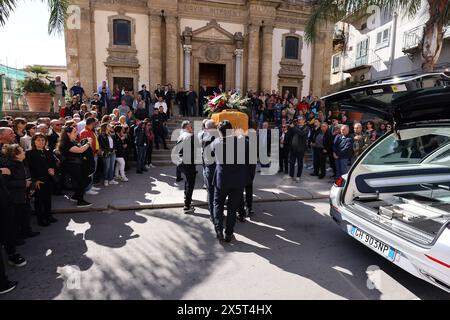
[[56, 126], [388, 128]]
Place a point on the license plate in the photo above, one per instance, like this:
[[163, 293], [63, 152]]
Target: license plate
[[372, 242]]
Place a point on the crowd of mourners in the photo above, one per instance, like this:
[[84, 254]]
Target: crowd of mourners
[[95, 138]]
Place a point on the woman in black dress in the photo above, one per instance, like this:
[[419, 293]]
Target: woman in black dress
[[15, 222], [41, 163], [74, 162]]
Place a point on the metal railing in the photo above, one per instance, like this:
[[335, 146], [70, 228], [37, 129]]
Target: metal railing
[[370, 59], [12, 102], [413, 37]]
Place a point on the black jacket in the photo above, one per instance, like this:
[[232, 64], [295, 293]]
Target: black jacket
[[39, 162], [328, 140], [140, 138], [297, 138], [118, 143], [181, 98], [52, 141], [104, 144], [145, 94], [141, 114], [17, 182], [159, 93], [229, 175], [63, 86]]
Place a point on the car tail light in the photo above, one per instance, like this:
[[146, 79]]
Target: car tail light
[[339, 182]]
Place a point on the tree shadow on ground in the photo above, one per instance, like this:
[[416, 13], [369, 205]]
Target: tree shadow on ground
[[51, 257], [303, 242], [182, 252]]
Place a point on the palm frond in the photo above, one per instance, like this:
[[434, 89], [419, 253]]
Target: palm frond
[[322, 11], [58, 15], [404, 7], [6, 7]]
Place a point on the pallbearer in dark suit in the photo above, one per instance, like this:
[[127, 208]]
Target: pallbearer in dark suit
[[246, 203], [229, 180], [186, 164]]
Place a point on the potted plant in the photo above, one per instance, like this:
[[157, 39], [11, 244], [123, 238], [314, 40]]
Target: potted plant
[[37, 89]]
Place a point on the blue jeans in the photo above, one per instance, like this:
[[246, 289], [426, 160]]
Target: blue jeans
[[341, 167], [293, 158], [108, 166], [91, 183], [141, 154], [208, 175]]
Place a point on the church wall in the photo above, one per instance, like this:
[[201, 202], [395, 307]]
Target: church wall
[[142, 48], [277, 54], [101, 42]]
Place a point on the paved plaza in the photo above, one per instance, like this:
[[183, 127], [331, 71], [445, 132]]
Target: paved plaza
[[287, 250]]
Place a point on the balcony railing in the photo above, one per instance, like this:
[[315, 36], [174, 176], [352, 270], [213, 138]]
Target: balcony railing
[[413, 38], [351, 63]]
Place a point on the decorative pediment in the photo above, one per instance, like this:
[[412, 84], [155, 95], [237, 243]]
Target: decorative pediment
[[213, 31]]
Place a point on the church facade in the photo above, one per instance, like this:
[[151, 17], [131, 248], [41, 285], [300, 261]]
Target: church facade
[[243, 44]]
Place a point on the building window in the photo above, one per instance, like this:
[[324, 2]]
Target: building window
[[362, 53], [122, 32], [336, 63], [383, 38], [291, 48]]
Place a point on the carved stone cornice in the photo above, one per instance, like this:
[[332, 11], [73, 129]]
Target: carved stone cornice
[[122, 59], [198, 9], [291, 69]]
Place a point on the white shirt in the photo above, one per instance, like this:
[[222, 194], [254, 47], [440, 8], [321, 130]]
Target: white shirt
[[163, 104], [58, 88], [111, 142], [81, 125], [25, 142]]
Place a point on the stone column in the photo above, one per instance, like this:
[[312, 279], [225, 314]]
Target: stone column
[[253, 58], [187, 65], [155, 51], [266, 63], [321, 63], [238, 53], [171, 50], [80, 52]]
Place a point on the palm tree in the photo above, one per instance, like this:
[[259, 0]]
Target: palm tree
[[434, 29], [57, 8]]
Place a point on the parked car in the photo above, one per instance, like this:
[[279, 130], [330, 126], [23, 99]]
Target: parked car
[[396, 197]]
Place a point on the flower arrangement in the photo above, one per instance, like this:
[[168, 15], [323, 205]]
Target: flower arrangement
[[215, 104]]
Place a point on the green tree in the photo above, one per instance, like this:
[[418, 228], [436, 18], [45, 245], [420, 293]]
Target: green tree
[[332, 11], [57, 8]]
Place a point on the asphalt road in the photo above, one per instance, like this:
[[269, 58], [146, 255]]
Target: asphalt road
[[288, 250]]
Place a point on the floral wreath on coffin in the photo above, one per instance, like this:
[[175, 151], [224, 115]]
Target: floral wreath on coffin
[[225, 101]]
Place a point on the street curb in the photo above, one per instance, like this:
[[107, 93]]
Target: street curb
[[112, 207]]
